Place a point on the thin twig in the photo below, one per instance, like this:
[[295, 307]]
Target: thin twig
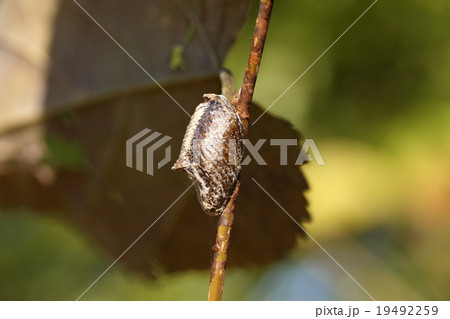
[[227, 83], [242, 104], [221, 249], [251, 73]]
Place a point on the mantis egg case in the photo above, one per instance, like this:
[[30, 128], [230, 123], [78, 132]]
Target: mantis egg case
[[211, 152]]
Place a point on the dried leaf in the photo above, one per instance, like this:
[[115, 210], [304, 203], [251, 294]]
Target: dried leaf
[[97, 98], [115, 203]]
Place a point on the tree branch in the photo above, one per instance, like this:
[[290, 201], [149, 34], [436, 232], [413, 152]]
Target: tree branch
[[241, 102], [251, 73], [221, 249]]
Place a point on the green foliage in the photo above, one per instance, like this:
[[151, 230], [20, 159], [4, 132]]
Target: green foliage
[[64, 153], [176, 60], [48, 259], [391, 62]]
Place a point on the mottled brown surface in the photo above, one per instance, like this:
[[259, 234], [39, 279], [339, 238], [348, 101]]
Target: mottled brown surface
[[206, 155]]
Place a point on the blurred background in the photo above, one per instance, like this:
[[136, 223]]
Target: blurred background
[[377, 106]]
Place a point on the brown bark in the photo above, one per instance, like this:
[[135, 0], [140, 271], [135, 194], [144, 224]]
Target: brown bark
[[224, 225], [254, 60]]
